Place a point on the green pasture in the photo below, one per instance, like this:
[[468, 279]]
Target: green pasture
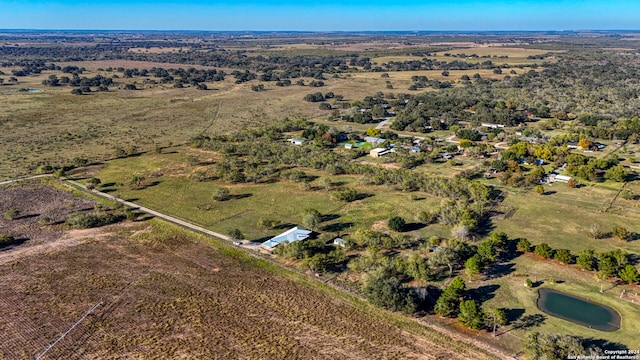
[[177, 194], [508, 292]]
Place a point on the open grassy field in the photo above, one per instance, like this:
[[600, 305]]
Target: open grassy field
[[177, 194], [515, 56], [404, 77], [54, 126], [163, 292], [509, 292], [563, 218], [557, 218]]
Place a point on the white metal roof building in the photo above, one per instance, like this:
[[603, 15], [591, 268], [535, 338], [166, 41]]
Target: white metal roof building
[[377, 152], [294, 234], [561, 178]]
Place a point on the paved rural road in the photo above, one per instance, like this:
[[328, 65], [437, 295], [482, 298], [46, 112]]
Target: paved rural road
[[151, 212]]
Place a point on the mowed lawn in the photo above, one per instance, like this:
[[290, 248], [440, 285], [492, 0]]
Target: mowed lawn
[[176, 193]]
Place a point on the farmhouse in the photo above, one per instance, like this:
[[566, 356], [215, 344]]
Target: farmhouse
[[373, 140], [297, 141], [292, 235], [492, 126], [378, 152], [572, 144]]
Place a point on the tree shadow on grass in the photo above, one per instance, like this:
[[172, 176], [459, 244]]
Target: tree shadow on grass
[[604, 344], [513, 315], [529, 321], [329, 217], [283, 226], [148, 185], [262, 239], [524, 322], [510, 250], [413, 227], [241, 196], [535, 284], [483, 293], [337, 227], [146, 217], [485, 226], [362, 196], [501, 269]]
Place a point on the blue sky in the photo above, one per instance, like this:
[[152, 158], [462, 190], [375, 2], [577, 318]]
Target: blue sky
[[318, 15]]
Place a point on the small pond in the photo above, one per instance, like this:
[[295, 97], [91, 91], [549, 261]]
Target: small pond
[[578, 310]]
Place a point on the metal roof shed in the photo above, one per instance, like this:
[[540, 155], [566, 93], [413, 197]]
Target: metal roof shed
[[292, 235]]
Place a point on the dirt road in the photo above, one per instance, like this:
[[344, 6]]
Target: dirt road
[[143, 209]]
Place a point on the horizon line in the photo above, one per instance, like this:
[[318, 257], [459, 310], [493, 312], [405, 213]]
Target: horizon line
[[323, 31]]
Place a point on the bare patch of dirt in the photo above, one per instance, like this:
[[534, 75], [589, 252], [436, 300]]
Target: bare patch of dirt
[[380, 225], [66, 239]]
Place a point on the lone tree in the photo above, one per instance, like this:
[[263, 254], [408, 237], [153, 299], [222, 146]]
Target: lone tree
[[629, 274], [523, 245], [222, 194], [544, 250], [396, 223], [616, 173], [563, 256], [621, 233], [6, 240], [540, 190], [495, 317], [553, 346], [311, 218], [448, 302], [587, 260], [473, 266], [11, 214], [471, 315], [236, 235], [389, 293]]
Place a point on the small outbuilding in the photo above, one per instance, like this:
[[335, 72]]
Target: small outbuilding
[[297, 141], [561, 178], [378, 152], [340, 242], [348, 146]]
